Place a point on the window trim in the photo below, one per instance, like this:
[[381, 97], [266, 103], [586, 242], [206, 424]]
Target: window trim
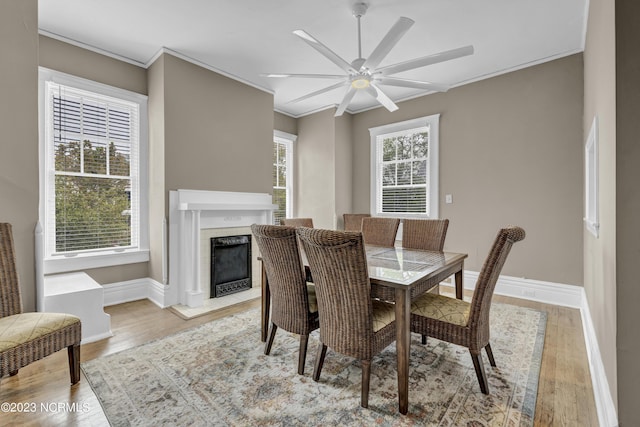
[[591, 160], [432, 122], [104, 257], [288, 139]]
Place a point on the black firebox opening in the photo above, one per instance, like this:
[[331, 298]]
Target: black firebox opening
[[230, 265]]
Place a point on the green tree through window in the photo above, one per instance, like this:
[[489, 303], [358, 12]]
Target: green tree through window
[[91, 211]]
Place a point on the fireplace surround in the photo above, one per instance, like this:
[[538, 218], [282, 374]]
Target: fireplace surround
[[195, 216]]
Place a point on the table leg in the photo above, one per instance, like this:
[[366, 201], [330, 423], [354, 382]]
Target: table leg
[[459, 284], [403, 346], [266, 301]]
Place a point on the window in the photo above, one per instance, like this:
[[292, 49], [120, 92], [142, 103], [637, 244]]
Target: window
[[591, 218], [404, 168], [93, 177], [282, 175]]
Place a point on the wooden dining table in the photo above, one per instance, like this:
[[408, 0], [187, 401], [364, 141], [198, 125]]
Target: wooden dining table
[[400, 270]]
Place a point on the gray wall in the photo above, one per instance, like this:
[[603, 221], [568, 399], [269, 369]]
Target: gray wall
[[627, 207], [315, 169], [344, 169], [600, 253], [158, 203], [19, 140], [218, 131], [285, 123], [84, 63], [510, 153], [208, 132]]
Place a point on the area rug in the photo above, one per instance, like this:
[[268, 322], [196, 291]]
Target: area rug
[[217, 375]]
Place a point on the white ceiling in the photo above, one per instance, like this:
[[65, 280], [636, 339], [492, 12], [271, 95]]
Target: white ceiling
[[243, 39]]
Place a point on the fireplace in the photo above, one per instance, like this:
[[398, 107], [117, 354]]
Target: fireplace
[[196, 216], [230, 265]]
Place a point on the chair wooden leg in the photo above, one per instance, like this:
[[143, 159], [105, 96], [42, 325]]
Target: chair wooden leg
[[482, 377], [74, 363], [272, 334], [366, 377], [492, 361], [424, 340], [317, 368], [302, 354]]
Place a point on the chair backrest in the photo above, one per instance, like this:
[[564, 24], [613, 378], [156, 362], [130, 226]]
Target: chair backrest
[[380, 231], [486, 283], [297, 222], [338, 264], [353, 222], [281, 258], [426, 234], [10, 300]]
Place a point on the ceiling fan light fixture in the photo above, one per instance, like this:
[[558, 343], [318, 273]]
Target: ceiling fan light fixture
[[360, 83]]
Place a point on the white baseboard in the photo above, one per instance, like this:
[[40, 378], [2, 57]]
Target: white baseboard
[[529, 289], [516, 287], [607, 414], [133, 290]]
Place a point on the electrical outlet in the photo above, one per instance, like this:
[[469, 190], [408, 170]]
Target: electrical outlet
[[448, 198]]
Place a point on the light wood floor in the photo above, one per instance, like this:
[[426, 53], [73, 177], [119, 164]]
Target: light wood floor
[[565, 396]]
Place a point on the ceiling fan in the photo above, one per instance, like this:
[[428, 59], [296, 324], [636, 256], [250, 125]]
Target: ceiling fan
[[364, 74]]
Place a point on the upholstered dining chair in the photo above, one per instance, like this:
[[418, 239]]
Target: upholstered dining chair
[[425, 234], [293, 301], [297, 222], [380, 231], [353, 222], [351, 322], [463, 323], [27, 337]]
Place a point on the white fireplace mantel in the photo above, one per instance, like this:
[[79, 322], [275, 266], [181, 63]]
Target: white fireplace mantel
[[193, 210]]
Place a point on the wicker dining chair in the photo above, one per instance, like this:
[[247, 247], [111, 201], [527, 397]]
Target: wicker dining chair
[[27, 337], [293, 301], [297, 222], [353, 222], [380, 231], [463, 323], [351, 322], [425, 234]]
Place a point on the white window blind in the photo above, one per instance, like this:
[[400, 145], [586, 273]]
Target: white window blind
[[92, 171], [404, 166], [282, 175]]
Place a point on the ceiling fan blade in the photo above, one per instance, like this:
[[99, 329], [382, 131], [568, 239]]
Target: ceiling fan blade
[[318, 92], [415, 84], [382, 98], [426, 60], [324, 50], [388, 42], [305, 76], [345, 101]]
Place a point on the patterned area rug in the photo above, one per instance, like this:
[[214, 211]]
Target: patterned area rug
[[217, 375]]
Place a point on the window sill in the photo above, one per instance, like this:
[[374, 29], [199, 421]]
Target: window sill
[[88, 261]]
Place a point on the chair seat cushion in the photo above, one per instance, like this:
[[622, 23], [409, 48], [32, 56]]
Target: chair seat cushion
[[442, 308], [383, 314], [22, 328], [313, 301]]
